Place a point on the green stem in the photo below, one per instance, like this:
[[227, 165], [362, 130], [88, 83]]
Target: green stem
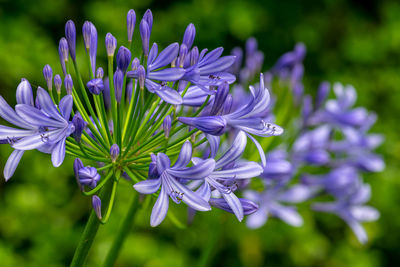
[[89, 233], [122, 233]]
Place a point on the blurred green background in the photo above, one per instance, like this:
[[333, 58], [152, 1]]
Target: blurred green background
[[42, 214]]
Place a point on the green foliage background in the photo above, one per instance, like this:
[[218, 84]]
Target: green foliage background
[[42, 214]]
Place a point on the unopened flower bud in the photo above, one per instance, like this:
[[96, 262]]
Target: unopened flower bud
[[118, 84], [48, 76], [130, 23], [145, 35], [100, 73], [111, 44], [78, 164], [135, 63], [96, 203], [123, 58], [114, 152], [70, 34], [194, 56], [58, 83], [148, 17], [88, 176], [79, 124], [142, 76], [63, 53], [95, 86], [167, 126], [68, 84], [189, 35]]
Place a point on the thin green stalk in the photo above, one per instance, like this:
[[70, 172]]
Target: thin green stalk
[[122, 233]]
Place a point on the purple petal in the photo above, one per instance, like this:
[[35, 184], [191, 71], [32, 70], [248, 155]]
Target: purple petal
[[66, 106], [8, 114], [297, 194], [219, 65], [234, 204], [152, 55], [257, 219], [148, 186], [213, 141], [247, 170], [169, 74], [364, 213], [287, 214], [58, 153], [234, 152], [165, 57], [260, 150], [8, 132], [204, 191], [47, 104], [12, 163], [160, 208], [35, 117], [214, 125], [163, 162], [169, 95], [185, 155], [192, 199], [24, 93], [210, 57], [358, 230], [199, 171]]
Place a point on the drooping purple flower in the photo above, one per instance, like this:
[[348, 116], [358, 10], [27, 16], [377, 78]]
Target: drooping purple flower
[[169, 179], [114, 152], [70, 34], [123, 58], [154, 63], [111, 44], [88, 176], [63, 52], [352, 210], [95, 86], [48, 76], [130, 23], [226, 172], [248, 118]]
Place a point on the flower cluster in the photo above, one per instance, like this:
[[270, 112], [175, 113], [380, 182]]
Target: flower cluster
[[174, 123]]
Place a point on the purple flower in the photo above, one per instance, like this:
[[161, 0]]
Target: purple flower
[[248, 118], [156, 61], [53, 125], [226, 172], [169, 179], [130, 23], [95, 86], [270, 204], [353, 211], [88, 176]]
